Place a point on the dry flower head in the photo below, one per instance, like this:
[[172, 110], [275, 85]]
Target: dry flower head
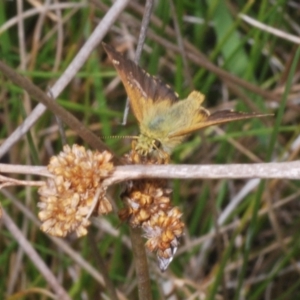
[[67, 198], [148, 205]]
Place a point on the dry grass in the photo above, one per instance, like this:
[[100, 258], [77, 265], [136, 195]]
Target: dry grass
[[242, 235]]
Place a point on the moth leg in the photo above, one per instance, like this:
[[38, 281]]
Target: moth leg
[[163, 157]]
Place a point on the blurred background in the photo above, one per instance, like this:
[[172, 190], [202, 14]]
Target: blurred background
[[242, 236]]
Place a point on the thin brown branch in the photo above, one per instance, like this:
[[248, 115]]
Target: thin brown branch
[[238, 146], [102, 266], [141, 264], [281, 170], [69, 73], [144, 28], [20, 169], [196, 56], [6, 181], [284, 170], [34, 256], [279, 33], [204, 62], [180, 43], [61, 243], [59, 111], [141, 40], [138, 247]]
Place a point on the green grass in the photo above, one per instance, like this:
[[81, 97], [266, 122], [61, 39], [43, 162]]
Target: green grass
[[253, 253]]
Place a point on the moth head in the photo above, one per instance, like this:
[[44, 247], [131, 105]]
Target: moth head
[[151, 148]]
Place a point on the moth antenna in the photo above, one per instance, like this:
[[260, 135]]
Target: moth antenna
[[118, 137]]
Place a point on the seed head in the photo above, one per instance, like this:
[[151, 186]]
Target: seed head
[[67, 198]]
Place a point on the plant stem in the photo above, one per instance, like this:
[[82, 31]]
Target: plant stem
[[141, 264]]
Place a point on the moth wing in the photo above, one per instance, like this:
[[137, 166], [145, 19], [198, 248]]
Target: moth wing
[[219, 117], [142, 89]]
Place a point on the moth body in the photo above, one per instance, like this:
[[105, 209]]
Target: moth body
[[159, 124]]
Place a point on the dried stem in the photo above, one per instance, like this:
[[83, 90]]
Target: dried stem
[[144, 28], [69, 73], [141, 40], [195, 56], [95, 273], [281, 170], [180, 42], [284, 170], [59, 111], [33, 255], [6, 181], [102, 266], [281, 34], [141, 264]]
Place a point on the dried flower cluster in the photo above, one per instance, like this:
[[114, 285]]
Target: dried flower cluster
[[148, 205], [67, 199]]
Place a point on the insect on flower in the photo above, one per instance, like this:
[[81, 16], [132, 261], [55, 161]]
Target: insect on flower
[[164, 120]]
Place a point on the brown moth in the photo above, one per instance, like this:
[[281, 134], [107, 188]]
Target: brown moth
[[164, 120]]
